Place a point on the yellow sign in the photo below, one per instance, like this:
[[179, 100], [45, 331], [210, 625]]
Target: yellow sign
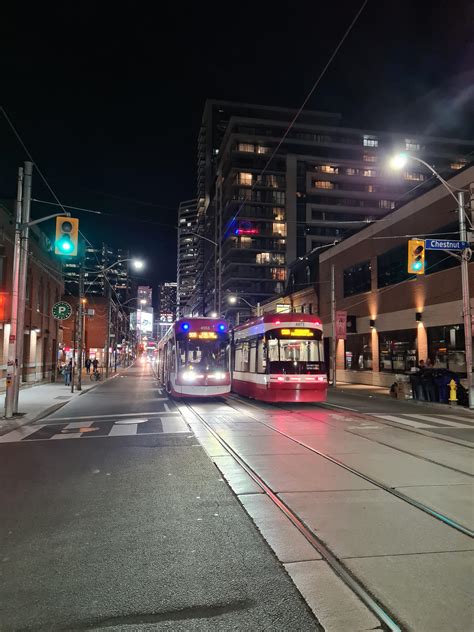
[[203, 335], [298, 333]]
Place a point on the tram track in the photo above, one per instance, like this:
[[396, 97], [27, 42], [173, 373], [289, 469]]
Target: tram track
[[384, 616], [391, 490], [371, 439]]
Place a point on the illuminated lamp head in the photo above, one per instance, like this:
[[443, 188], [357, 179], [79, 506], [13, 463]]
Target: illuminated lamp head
[[221, 327], [185, 326]]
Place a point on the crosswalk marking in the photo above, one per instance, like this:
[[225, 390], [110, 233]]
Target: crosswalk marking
[[19, 434], [443, 421], [436, 422], [122, 430], [402, 420]]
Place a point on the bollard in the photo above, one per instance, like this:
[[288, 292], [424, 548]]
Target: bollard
[[453, 400]]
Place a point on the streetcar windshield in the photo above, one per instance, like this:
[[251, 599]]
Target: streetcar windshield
[[204, 354], [295, 356]]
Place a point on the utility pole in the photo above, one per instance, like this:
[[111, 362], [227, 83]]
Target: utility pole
[[80, 327], [12, 362], [74, 342], [466, 304], [333, 321], [23, 270], [107, 339]]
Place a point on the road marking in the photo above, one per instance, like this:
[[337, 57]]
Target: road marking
[[130, 420], [353, 410], [79, 424], [120, 431], [406, 422], [63, 419], [166, 407], [171, 426], [442, 421], [18, 434]]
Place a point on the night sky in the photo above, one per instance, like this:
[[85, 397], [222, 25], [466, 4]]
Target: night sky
[[109, 103]]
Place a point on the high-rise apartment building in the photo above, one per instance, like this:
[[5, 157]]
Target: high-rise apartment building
[[95, 261], [189, 272], [267, 201], [167, 301]]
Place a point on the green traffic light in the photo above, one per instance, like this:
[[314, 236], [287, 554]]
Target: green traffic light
[[65, 244]]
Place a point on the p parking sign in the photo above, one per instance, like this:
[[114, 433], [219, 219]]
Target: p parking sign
[[61, 310]]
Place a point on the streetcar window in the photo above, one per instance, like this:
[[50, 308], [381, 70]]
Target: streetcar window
[[204, 354], [261, 356], [295, 356], [241, 361]]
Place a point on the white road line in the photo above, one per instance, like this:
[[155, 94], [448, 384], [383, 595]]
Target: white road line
[[462, 418], [441, 421], [19, 433], [406, 422], [120, 431], [68, 435], [63, 419], [80, 424], [171, 426], [353, 410], [166, 407]]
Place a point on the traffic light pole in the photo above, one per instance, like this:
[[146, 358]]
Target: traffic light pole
[[107, 340], [80, 328], [12, 361], [23, 269], [466, 304]]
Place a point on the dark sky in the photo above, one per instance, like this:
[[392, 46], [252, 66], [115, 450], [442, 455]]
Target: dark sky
[[109, 102]]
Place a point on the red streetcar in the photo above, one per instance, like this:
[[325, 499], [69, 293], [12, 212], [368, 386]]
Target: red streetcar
[[280, 358], [193, 358]]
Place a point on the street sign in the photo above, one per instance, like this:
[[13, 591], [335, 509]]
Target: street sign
[[341, 325], [61, 310], [445, 244]]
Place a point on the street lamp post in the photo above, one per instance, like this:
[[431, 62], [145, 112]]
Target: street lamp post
[[398, 162], [233, 301]]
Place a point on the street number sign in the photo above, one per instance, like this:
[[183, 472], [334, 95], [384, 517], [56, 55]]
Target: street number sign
[[61, 310], [445, 244]]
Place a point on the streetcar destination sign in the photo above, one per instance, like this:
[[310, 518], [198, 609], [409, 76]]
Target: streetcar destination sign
[[445, 244], [61, 310]]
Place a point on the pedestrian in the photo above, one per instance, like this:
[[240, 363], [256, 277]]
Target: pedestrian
[[88, 365], [429, 364], [68, 373], [95, 364]]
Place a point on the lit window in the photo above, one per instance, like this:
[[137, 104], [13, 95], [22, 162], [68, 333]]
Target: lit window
[[411, 145], [457, 165], [279, 214], [369, 158], [352, 172], [328, 169], [370, 173], [279, 229], [246, 242], [278, 274], [263, 257], [323, 184], [272, 181], [370, 141], [262, 150], [246, 147], [245, 178], [413, 175], [370, 188], [386, 204]]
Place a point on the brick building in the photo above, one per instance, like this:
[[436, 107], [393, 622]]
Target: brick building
[[44, 287]]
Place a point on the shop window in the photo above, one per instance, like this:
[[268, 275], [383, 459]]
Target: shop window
[[357, 279], [397, 350], [446, 348], [358, 352]]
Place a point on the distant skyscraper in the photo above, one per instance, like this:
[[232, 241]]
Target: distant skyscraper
[[167, 301], [188, 254]]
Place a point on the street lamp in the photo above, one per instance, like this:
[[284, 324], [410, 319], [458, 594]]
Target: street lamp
[[232, 299], [398, 162]]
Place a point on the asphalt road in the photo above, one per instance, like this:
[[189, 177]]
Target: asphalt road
[[107, 530]]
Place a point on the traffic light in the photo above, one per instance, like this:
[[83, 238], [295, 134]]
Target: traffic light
[[416, 256], [67, 236]]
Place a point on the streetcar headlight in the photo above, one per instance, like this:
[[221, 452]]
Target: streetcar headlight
[[219, 375], [188, 376]]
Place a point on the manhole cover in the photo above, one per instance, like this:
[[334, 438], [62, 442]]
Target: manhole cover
[[122, 422]]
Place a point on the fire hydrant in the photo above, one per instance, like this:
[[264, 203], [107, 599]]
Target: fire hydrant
[[453, 400]]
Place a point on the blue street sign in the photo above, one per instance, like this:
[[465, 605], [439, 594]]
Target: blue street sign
[[445, 244]]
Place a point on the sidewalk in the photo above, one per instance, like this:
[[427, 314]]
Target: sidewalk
[[366, 390], [40, 400]]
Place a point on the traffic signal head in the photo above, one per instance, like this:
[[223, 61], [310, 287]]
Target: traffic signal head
[[416, 256], [67, 236]]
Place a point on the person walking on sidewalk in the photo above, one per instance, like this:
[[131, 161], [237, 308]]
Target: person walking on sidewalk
[[67, 373], [88, 366], [95, 364]]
